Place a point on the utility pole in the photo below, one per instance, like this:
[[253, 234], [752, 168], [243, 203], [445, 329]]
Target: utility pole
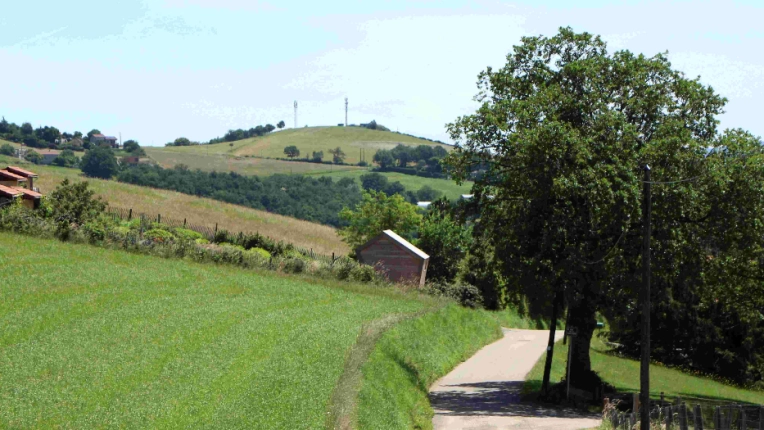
[[644, 371], [346, 112], [550, 345], [295, 114]]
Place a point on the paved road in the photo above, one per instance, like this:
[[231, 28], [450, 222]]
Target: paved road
[[484, 392]]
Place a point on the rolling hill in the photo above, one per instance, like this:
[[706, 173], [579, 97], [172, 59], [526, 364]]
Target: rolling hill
[[308, 140], [246, 156], [201, 211]]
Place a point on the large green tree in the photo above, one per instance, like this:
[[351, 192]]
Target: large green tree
[[99, 162], [564, 130], [376, 213]]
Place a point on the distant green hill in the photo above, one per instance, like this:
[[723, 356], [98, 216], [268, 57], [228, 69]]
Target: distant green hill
[[308, 140]]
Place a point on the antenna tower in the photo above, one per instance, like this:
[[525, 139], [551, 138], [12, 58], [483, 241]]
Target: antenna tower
[[346, 111], [295, 114]]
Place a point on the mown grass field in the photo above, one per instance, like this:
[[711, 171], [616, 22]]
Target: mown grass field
[[623, 373], [448, 187], [94, 338], [201, 211], [309, 139], [243, 165]]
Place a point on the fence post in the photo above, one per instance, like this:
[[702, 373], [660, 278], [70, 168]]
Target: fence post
[[130, 214], [761, 418], [184, 223], [683, 417], [698, 418], [717, 418], [743, 424], [159, 218], [662, 398], [216, 229], [669, 417]]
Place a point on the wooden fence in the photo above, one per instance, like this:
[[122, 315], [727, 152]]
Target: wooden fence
[[206, 231], [683, 416]]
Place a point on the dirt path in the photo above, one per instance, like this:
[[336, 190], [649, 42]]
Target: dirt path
[[484, 391]]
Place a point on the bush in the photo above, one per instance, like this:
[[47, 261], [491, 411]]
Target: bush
[[293, 265], [467, 295], [95, 231], [7, 149], [202, 241], [259, 252], [33, 156], [186, 234], [363, 273], [99, 163], [158, 235]]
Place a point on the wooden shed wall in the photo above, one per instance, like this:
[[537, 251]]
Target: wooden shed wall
[[398, 264]]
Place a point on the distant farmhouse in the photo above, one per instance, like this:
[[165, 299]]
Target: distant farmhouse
[[17, 183], [395, 257], [98, 139]]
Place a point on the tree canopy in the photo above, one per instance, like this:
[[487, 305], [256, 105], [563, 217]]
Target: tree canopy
[[564, 131], [99, 162], [376, 213]]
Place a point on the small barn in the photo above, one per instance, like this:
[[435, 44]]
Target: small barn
[[396, 257]]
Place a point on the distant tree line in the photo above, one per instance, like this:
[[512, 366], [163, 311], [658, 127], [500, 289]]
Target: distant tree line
[[305, 197], [240, 133]]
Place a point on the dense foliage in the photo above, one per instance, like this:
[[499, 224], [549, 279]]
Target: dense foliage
[[44, 136], [99, 162], [564, 132], [376, 213], [313, 199]]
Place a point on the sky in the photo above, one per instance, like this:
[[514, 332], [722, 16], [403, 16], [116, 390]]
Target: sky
[[156, 70]]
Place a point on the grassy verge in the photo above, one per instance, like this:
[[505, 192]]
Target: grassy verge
[[200, 211], [411, 356], [623, 373], [100, 338]]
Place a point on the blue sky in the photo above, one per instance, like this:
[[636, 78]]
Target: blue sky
[[156, 70]]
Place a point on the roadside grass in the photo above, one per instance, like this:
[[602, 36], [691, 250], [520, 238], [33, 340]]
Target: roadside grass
[[201, 211], [310, 139], [623, 374], [412, 355], [98, 338]]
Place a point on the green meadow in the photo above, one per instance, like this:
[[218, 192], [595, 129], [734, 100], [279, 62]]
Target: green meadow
[[94, 338]]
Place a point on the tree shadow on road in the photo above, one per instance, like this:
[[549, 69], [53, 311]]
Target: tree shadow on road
[[496, 399]]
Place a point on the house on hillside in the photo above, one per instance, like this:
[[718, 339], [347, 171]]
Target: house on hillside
[[10, 179], [30, 176], [48, 155], [394, 256], [8, 194], [98, 139]]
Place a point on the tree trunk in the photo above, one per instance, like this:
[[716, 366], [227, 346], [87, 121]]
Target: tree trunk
[[583, 317]]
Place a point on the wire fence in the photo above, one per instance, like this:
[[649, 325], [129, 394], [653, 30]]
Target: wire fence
[[698, 416], [207, 232]]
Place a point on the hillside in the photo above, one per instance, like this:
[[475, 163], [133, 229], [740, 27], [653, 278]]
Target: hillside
[[133, 341], [322, 239], [307, 140], [245, 156]]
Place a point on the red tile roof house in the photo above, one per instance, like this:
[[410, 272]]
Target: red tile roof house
[[10, 179], [98, 139], [396, 257], [25, 173], [13, 181]]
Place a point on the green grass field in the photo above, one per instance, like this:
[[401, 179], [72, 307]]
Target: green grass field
[[167, 158], [310, 139], [623, 373], [448, 187], [94, 338]]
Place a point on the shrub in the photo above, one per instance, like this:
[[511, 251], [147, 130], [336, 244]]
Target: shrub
[[259, 252], [158, 235], [467, 295], [73, 204], [202, 241], [186, 234], [7, 149], [293, 265], [363, 273]]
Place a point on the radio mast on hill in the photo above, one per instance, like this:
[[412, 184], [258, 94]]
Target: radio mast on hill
[[295, 114], [346, 111]]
